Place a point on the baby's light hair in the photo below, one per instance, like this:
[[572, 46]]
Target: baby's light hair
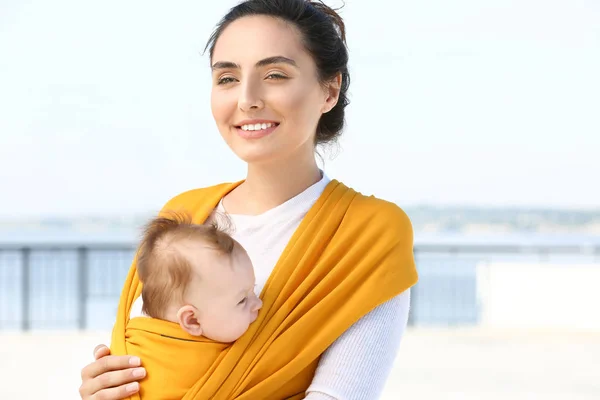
[[161, 265]]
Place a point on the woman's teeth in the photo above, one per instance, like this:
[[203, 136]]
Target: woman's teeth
[[257, 127]]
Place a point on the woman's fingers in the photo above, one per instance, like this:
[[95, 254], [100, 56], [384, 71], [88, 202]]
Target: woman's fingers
[[110, 377], [101, 351], [111, 385], [109, 363], [117, 393]]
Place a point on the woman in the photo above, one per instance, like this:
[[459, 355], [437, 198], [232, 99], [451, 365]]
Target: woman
[[280, 81]]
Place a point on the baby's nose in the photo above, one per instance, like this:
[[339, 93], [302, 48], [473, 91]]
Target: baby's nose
[[257, 304]]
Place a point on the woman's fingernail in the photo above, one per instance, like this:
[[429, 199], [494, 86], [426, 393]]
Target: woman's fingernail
[[139, 372], [132, 387], [134, 361]]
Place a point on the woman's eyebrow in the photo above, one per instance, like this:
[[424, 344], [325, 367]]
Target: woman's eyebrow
[[264, 62], [276, 60], [224, 65]]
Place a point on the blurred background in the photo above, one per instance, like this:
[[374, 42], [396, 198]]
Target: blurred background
[[481, 119]]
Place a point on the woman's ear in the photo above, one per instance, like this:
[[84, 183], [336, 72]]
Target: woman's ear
[[188, 318], [333, 93]]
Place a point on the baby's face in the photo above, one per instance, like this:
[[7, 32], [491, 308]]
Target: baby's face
[[223, 292]]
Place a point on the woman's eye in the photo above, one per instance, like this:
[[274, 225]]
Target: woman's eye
[[225, 80], [276, 76]]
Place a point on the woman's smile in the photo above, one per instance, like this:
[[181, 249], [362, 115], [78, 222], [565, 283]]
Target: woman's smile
[[255, 128]]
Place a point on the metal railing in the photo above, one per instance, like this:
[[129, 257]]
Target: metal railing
[[53, 286], [446, 293], [76, 286]]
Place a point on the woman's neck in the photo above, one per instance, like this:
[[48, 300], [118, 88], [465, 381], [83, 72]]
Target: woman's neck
[[268, 185]]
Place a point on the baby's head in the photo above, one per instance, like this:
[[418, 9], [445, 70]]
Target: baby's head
[[198, 276]]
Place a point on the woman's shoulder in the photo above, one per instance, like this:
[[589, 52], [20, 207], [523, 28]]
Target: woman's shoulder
[[381, 213]]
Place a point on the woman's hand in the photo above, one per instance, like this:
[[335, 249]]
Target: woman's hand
[[110, 377]]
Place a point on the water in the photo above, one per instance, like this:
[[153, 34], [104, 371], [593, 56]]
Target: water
[[446, 294]]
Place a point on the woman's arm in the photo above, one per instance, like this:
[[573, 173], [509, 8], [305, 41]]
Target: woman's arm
[[357, 365], [110, 377]]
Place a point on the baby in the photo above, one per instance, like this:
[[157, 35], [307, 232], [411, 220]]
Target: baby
[[198, 276]]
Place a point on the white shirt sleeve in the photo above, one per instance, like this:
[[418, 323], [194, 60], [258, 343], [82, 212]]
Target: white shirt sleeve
[[356, 366]]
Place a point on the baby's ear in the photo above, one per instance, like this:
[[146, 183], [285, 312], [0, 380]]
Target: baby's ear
[[187, 316]]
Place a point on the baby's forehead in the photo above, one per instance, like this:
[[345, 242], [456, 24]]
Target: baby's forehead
[[225, 277], [206, 260]]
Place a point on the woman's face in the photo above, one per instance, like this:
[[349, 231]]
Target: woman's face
[[266, 98]]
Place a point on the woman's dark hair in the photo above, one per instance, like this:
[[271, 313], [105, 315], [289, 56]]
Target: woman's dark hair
[[324, 37]]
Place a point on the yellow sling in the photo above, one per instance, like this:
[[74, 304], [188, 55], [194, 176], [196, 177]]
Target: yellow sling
[[350, 254]]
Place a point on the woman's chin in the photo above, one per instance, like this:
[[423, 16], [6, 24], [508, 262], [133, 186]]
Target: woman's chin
[[255, 153], [252, 156]]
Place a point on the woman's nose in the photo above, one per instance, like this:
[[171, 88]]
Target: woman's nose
[[250, 97]]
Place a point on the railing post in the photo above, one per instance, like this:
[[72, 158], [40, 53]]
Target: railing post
[[82, 266], [543, 255], [413, 295], [25, 288]]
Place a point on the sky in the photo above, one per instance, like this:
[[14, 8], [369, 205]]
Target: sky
[[104, 106]]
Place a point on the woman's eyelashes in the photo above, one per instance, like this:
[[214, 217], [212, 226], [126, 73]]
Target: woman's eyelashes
[[276, 76], [225, 80], [229, 79]]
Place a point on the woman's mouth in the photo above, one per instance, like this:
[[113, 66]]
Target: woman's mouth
[[258, 127], [257, 130]]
